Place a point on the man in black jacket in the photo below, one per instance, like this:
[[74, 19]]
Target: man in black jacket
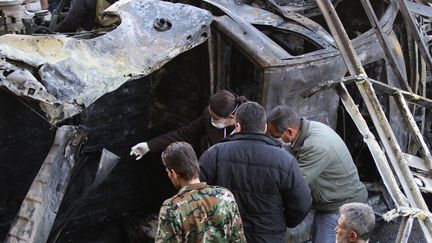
[[264, 178]]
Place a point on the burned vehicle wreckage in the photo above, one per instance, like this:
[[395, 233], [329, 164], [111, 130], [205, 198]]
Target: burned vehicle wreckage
[[65, 98]]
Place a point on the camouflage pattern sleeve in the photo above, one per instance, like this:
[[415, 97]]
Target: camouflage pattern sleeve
[[170, 228], [237, 234]]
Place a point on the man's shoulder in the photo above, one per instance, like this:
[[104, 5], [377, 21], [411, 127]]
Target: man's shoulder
[[215, 191], [195, 194], [321, 137], [320, 129], [170, 201], [218, 190]]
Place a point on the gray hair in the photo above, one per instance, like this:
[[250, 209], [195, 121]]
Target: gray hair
[[283, 117], [360, 218]]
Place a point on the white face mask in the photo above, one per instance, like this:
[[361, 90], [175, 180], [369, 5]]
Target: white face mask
[[218, 125], [283, 143]]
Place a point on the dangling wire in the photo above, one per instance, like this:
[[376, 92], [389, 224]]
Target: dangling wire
[[37, 113]]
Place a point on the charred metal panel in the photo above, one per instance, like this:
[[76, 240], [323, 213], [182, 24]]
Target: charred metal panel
[[25, 140], [39, 208], [139, 110], [284, 79], [76, 72], [251, 14], [419, 37]]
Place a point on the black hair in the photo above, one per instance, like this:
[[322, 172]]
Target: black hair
[[252, 117], [181, 157], [283, 117], [224, 103]]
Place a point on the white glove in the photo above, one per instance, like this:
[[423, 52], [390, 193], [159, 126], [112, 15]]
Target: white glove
[[33, 6], [47, 16], [139, 150]]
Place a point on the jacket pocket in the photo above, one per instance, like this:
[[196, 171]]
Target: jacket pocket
[[319, 196]]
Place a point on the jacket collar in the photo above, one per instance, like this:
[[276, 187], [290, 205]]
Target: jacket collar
[[304, 128], [253, 136], [192, 187]]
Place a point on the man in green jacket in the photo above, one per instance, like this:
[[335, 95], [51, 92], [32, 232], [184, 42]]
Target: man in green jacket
[[326, 164]]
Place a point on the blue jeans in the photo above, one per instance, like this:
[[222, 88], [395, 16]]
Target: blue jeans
[[324, 227]]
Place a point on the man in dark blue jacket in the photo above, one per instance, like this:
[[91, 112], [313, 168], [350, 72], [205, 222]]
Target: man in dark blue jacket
[[264, 178]]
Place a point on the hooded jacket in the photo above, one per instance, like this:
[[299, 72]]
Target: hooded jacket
[[327, 167], [265, 180]]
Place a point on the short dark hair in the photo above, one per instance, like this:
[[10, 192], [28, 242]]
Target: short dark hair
[[283, 117], [252, 117], [360, 218], [181, 157], [223, 103]]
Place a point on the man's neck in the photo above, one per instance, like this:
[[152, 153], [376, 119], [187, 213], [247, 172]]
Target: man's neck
[[362, 241], [190, 182]]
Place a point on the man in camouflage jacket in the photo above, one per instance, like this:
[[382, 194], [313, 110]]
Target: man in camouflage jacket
[[198, 212]]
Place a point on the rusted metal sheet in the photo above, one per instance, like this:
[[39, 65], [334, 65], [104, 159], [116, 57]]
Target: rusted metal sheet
[[40, 206], [76, 72]]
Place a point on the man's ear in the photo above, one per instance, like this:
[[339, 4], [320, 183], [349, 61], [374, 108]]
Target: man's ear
[[172, 173], [237, 127], [290, 131], [352, 236]]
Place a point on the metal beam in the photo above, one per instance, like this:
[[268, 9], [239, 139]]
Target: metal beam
[[415, 131], [404, 230], [40, 206], [385, 45], [426, 183], [412, 28], [416, 162], [343, 42], [377, 153], [390, 90], [419, 8], [377, 114]]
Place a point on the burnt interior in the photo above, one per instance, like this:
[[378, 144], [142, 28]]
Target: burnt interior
[[292, 42], [141, 109], [137, 111]]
